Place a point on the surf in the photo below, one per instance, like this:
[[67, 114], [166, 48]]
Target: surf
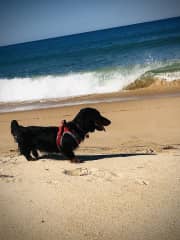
[[105, 80]]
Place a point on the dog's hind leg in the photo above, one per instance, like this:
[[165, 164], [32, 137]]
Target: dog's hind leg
[[35, 153], [26, 152]]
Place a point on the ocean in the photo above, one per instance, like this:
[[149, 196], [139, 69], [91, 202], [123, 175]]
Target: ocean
[[97, 62]]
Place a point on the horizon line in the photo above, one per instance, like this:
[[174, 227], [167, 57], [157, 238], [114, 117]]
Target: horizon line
[[91, 31]]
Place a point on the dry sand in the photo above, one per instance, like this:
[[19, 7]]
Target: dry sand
[[128, 188]]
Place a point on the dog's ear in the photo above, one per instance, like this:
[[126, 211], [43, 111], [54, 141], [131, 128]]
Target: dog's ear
[[89, 125], [85, 120]]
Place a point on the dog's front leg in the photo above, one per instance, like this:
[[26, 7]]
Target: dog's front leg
[[70, 155]]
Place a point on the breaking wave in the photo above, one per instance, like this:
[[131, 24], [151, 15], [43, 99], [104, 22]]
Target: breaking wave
[[77, 84]]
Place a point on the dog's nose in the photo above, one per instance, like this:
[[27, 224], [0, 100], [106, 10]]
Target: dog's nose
[[106, 121]]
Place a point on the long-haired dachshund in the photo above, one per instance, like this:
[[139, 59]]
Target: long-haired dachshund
[[64, 139]]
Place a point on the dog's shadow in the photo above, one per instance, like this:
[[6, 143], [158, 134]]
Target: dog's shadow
[[85, 158]]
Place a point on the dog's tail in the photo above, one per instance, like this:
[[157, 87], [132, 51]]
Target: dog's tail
[[15, 130]]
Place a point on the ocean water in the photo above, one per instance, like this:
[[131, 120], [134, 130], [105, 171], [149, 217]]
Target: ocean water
[[94, 62]]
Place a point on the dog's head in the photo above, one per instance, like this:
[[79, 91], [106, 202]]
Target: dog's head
[[90, 119]]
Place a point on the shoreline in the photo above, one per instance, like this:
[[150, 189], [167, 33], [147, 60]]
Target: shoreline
[[120, 96]]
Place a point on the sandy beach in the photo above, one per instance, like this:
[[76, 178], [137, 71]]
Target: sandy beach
[[128, 187]]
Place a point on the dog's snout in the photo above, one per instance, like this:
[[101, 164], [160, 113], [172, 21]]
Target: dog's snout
[[106, 121]]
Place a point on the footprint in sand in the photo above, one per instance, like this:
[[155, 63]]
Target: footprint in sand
[[7, 178], [93, 173], [77, 172]]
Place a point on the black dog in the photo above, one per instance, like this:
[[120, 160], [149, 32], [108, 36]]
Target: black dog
[[53, 139]]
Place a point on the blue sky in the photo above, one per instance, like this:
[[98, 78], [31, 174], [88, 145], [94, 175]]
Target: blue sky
[[22, 21]]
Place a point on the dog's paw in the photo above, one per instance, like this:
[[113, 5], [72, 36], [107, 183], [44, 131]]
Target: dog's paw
[[76, 160], [31, 158]]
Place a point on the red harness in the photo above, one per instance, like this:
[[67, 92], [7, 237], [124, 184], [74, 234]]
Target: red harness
[[64, 130]]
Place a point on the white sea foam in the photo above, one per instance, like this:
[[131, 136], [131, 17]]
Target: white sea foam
[[23, 89], [74, 84]]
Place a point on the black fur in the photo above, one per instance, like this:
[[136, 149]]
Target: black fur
[[32, 139]]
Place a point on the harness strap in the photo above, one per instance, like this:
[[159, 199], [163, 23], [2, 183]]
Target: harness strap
[[61, 132]]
